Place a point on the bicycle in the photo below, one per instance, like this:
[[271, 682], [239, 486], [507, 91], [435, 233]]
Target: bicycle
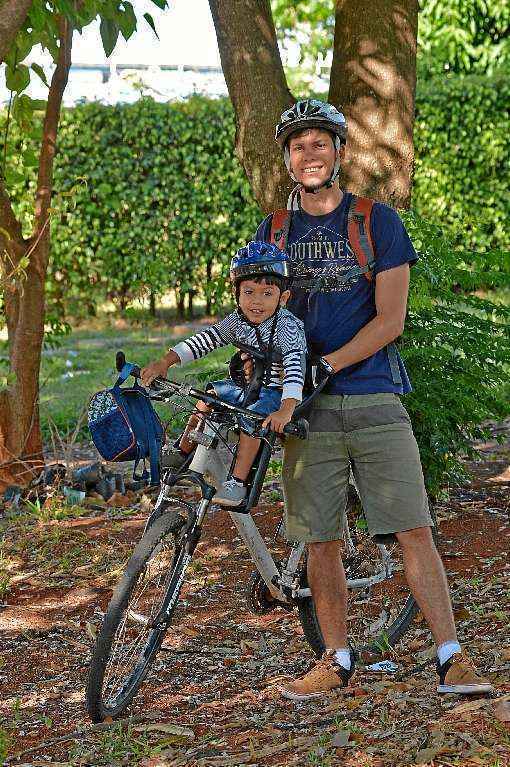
[[144, 602]]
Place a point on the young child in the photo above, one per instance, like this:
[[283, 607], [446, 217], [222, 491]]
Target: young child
[[260, 274]]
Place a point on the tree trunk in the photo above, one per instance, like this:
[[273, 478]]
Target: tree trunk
[[123, 298], [20, 434], [152, 304], [258, 89], [180, 296], [191, 293], [373, 81], [12, 17], [208, 272]]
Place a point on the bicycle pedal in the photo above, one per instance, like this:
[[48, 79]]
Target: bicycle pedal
[[200, 438]]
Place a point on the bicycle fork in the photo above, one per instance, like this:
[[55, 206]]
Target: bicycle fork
[[189, 544]]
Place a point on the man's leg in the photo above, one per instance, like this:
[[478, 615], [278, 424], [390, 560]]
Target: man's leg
[[315, 479], [427, 580], [326, 578], [387, 469]]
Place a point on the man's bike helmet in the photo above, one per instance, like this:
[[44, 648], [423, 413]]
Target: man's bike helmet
[[259, 258], [311, 113]]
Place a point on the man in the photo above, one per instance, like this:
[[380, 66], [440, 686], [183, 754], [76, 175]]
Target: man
[[352, 316]]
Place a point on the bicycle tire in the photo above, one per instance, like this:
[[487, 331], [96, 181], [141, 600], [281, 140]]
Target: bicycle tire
[[377, 645], [166, 527]]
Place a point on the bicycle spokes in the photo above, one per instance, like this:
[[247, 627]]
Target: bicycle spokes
[[137, 630]]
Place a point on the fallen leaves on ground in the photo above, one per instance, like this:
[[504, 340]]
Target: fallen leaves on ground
[[212, 697]]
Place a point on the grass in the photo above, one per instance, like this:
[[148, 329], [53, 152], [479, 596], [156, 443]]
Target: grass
[[85, 363], [114, 745]]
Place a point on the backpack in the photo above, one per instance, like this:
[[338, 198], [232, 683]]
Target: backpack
[[360, 240], [125, 427], [358, 232]]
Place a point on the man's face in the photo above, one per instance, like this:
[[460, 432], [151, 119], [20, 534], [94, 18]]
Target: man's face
[[259, 301], [312, 156]]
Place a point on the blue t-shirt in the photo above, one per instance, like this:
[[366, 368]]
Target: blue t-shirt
[[320, 244]]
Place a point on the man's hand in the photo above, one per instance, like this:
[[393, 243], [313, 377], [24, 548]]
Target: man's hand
[[280, 418], [158, 368]]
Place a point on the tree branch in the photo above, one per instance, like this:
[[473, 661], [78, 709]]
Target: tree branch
[[12, 244], [49, 140], [8, 220], [12, 17]]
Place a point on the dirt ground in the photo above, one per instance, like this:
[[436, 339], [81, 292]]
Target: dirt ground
[[218, 703]]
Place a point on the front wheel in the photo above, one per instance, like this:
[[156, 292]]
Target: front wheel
[[138, 616]]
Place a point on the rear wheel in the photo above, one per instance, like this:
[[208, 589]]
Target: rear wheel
[[378, 614], [138, 615]]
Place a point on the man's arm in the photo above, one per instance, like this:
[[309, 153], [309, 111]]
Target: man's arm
[[391, 289]]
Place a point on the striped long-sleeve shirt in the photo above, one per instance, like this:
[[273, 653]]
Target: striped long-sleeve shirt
[[288, 342]]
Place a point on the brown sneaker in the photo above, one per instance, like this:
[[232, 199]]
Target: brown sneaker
[[458, 674], [324, 677]]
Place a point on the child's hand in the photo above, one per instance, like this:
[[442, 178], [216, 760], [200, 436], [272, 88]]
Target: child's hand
[[158, 368], [277, 420]]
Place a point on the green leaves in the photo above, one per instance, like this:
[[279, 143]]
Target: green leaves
[[463, 36], [109, 31], [126, 19], [150, 21], [23, 109], [456, 348], [461, 146], [40, 72], [17, 78], [118, 16]]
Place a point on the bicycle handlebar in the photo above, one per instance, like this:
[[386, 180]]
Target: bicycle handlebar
[[298, 428]]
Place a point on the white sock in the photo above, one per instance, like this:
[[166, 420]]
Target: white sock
[[343, 657], [446, 650]]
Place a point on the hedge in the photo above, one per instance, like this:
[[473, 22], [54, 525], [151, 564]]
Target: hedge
[[462, 150], [162, 203], [152, 196]]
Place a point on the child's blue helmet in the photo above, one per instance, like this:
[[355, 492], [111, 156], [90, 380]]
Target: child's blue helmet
[[259, 258]]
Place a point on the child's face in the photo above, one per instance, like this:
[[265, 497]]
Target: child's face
[[259, 301]]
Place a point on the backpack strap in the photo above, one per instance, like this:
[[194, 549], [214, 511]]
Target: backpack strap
[[123, 375], [358, 232], [153, 442], [391, 351], [280, 227]]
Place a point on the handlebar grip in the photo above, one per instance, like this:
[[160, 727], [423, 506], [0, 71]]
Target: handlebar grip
[[298, 429], [120, 360]]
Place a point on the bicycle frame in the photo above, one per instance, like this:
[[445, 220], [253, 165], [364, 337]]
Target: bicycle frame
[[284, 585]]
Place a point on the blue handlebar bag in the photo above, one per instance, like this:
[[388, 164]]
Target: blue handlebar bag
[[125, 427]]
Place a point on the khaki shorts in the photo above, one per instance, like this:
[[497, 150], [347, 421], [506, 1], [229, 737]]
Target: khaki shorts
[[372, 434]]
